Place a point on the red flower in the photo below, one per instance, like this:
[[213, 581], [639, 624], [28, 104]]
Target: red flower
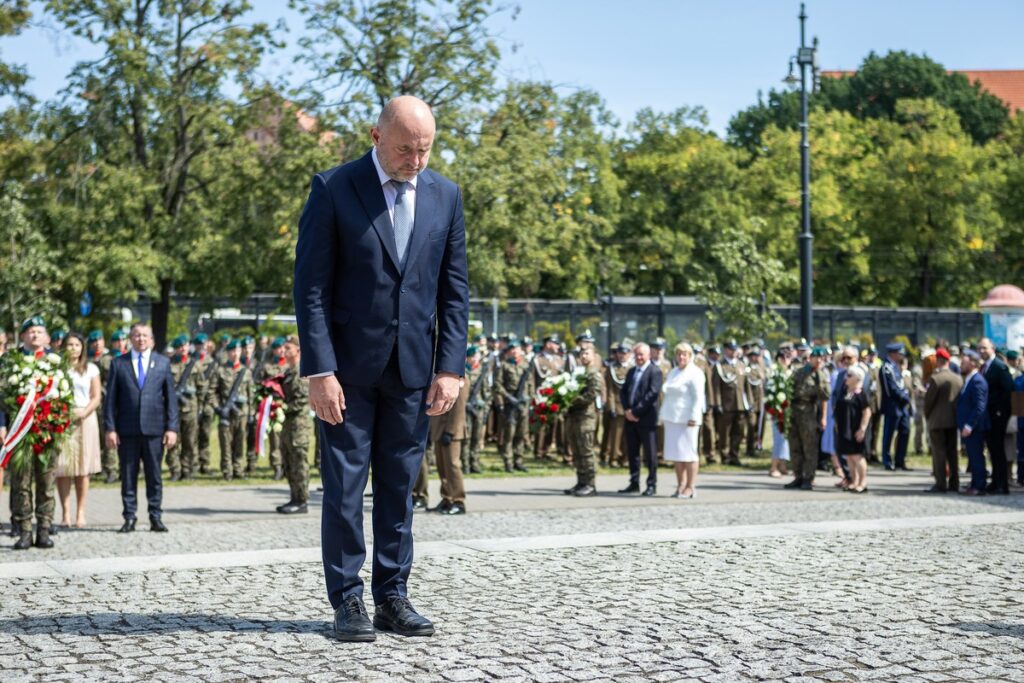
[[554, 407], [543, 418], [36, 430], [37, 448], [59, 429], [21, 400], [548, 391]]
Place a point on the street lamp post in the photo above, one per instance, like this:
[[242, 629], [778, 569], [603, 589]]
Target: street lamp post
[[805, 57]]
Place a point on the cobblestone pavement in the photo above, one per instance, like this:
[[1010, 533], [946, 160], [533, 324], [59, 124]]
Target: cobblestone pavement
[[928, 604]]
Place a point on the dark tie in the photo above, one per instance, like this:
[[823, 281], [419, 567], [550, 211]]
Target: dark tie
[[636, 385], [142, 373], [403, 220]]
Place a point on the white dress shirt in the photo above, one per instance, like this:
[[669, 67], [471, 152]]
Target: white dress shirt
[[145, 362]]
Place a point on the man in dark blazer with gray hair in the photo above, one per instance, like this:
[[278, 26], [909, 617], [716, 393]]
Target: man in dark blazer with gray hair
[[140, 417]]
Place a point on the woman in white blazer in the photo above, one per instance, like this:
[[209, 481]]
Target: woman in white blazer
[[682, 411]]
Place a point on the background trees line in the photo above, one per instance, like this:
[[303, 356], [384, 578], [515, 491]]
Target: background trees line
[[169, 165]]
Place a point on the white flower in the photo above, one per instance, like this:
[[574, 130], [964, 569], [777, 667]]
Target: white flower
[[12, 379], [26, 371], [53, 358], [42, 365], [277, 428], [59, 374], [562, 390], [780, 397], [573, 385], [63, 386]]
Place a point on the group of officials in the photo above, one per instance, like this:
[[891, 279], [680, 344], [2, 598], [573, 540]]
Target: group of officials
[[167, 404]]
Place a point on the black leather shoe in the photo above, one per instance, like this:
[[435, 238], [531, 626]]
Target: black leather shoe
[[520, 468], [396, 614], [53, 529], [632, 488], [352, 623], [904, 468], [455, 509], [127, 527], [295, 509], [585, 491], [935, 489], [795, 484], [284, 505], [24, 542], [508, 468], [649, 491], [43, 539], [419, 504], [156, 525], [441, 507], [571, 491], [806, 486], [890, 468]]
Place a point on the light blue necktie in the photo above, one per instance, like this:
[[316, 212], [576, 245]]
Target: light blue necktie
[[403, 220], [142, 373]]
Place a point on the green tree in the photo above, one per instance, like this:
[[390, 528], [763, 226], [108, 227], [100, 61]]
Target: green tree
[[132, 133], [28, 272], [14, 15]]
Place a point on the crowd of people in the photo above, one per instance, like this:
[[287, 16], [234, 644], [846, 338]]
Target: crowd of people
[[833, 409]]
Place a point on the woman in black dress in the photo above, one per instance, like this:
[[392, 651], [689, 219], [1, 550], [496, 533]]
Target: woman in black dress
[[852, 416]]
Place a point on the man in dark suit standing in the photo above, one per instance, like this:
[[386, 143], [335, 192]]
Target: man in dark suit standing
[[940, 399], [639, 396], [972, 419], [140, 417], [382, 304], [1000, 389]]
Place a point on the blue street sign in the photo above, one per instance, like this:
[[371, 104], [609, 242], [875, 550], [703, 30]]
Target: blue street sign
[[85, 305]]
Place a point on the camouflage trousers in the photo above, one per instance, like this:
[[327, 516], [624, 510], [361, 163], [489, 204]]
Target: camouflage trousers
[[804, 444], [580, 430], [514, 435], [232, 433], [294, 439], [32, 475], [183, 458]]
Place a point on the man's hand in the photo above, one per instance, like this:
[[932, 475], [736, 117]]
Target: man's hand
[[327, 399], [112, 440], [443, 393], [966, 432], [631, 417], [859, 436], [823, 423], [170, 438], [3, 434]]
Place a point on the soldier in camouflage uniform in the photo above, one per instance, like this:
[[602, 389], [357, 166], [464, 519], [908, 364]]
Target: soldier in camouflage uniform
[[183, 459], [234, 411], [515, 389], [477, 375], [546, 363], [580, 420], [732, 406], [298, 430], [207, 367], [811, 391], [274, 365]]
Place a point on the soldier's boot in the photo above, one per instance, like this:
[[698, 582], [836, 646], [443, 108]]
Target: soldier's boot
[[518, 465], [24, 542], [43, 539], [278, 473], [474, 463]]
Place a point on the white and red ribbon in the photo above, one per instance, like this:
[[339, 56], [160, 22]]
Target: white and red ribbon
[[263, 422], [25, 418]]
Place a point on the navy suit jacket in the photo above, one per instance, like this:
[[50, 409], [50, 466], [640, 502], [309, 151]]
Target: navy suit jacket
[[149, 412], [353, 303], [646, 405], [1000, 388], [972, 405], [895, 395]]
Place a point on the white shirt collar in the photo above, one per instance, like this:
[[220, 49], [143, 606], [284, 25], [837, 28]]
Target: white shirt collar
[[144, 354], [384, 177]]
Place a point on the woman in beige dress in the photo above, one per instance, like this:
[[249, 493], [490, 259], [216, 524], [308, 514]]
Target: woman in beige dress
[[80, 453]]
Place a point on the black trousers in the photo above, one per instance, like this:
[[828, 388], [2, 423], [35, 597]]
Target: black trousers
[[996, 441], [147, 451], [637, 437]]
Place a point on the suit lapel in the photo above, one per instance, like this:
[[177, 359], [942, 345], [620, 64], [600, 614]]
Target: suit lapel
[[426, 204], [367, 185]]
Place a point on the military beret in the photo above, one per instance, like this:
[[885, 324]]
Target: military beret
[[119, 335], [1012, 355], [248, 340], [179, 341], [970, 353], [492, 337], [527, 340], [730, 344], [277, 343], [942, 353], [233, 344], [224, 338], [471, 350], [819, 351], [896, 347], [510, 338], [536, 347], [94, 336], [58, 335], [34, 321], [200, 338], [480, 338]]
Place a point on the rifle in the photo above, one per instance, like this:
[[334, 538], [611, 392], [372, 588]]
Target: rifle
[[512, 410], [180, 388], [474, 393], [230, 406]]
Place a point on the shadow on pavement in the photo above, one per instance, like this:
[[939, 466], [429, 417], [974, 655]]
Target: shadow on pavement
[[996, 629], [143, 624]]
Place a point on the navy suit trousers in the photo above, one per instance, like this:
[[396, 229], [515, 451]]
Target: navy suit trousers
[[147, 451], [642, 437], [975, 447], [385, 430], [896, 423]]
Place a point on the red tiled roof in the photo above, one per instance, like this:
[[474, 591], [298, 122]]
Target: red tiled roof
[[1006, 84]]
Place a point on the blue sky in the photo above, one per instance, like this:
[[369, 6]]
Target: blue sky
[[667, 53]]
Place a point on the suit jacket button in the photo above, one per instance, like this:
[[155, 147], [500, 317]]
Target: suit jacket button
[[394, 322], [403, 290]]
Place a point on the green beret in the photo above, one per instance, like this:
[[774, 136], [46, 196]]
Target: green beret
[[471, 350], [34, 321], [58, 335], [224, 338], [277, 343], [819, 351], [118, 335], [248, 340], [200, 338], [233, 344], [179, 341], [1012, 355], [94, 336]]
